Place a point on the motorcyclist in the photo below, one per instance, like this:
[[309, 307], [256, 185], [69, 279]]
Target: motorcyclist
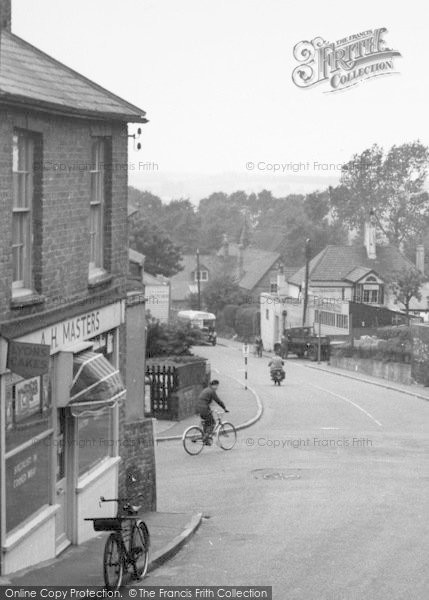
[[276, 364]]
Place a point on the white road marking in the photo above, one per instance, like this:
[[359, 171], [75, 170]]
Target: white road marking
[[349, 401], [329, 428]]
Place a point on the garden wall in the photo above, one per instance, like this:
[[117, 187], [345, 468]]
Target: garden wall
[[393, 371]]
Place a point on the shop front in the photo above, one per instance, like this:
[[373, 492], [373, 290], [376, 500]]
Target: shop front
[[59, 434]]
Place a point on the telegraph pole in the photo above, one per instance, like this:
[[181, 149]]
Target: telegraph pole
[[307, 267], [198, 279]]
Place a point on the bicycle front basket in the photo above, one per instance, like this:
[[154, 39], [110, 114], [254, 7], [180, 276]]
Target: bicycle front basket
[[107, 524]]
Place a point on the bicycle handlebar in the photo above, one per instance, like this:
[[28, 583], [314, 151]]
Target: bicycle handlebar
[[103, 499]]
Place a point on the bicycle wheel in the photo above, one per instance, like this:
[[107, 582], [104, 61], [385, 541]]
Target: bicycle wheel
[[140, 550], [193, 440], [227, 436], [113, 562]]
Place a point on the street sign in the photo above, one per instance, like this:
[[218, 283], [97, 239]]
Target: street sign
[[246, 350]]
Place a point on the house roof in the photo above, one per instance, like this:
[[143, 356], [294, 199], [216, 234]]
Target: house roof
[[335, 263], [357, 273], [28, 76], [136, 257], [256, 263], [149, 279], [181, 283]]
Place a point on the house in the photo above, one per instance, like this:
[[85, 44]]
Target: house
[[185, 282], [156, 288], [348, 288], [255, 271], [355, 273], [63, 265]]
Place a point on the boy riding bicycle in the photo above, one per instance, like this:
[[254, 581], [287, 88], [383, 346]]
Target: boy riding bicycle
[[207, 396]]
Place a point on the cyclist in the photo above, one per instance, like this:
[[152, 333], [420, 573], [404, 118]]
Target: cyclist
[[204, 400]]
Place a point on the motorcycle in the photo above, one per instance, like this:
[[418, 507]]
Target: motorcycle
[[277, 375]]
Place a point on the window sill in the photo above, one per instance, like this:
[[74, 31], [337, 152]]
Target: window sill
[[98, 278], [27, 527], [97, 472], [26, 299]]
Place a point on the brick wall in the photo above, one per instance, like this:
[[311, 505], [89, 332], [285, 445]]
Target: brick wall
[[63, 159], [5, 14], [137, 475]]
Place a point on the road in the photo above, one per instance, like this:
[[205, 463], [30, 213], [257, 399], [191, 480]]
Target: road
[[324, 498]]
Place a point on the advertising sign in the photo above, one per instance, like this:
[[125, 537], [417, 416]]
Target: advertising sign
[[28, 360]]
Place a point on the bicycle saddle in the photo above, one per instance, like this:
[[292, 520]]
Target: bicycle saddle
[[132, 509]]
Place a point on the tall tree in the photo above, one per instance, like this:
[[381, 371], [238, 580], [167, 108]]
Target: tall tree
[[391, 184], [406, 285], [161, 255]]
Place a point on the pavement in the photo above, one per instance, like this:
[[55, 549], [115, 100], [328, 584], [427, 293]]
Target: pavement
[[168, 531], [83, 565]]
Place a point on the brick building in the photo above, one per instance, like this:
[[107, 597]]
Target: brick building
[[63, 264]]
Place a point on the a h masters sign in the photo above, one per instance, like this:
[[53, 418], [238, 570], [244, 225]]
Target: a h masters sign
[[344, 63]]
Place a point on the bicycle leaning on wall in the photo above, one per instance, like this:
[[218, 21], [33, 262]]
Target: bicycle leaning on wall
[[127, 547]]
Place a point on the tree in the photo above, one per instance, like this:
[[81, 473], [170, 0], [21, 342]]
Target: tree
[[405, 285], [162, 256], [179, 218], [170, 339], [220, 291], [391, 184]]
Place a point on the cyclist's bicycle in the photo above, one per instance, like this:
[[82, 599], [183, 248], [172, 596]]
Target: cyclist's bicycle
[[127, 546], [225, 434]]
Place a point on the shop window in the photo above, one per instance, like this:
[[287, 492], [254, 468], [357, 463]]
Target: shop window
[[28, 447], [95, 439], [28, 410]]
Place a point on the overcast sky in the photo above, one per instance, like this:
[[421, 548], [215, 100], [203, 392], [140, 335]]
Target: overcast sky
[[214, 77]]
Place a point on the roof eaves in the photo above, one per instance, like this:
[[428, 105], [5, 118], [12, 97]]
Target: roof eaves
[[11, 100], [96, 86]]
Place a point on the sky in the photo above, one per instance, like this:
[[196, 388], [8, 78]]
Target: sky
[[215, 78]]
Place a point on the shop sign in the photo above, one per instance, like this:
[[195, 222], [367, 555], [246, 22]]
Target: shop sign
[[81, 328], [28, 360]]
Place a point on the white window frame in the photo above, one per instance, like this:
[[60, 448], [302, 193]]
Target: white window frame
[[22, 213], [97, 208], [204, 275]]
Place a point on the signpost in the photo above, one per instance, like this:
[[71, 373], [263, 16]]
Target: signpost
[[246, 356]]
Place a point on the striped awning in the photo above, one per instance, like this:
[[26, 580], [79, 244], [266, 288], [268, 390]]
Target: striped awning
[[96, 384]]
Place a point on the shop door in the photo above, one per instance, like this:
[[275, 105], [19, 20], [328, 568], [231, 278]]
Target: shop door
[[62, 445]]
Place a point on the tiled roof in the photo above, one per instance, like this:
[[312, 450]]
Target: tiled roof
[[182, 284], [256, 263], [334, 263], [357, 273], [149, 279], [135, 257], [29, 76]]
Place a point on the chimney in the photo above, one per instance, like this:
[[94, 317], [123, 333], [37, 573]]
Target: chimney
[[420, 258], [5, 15], [370, 232]]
